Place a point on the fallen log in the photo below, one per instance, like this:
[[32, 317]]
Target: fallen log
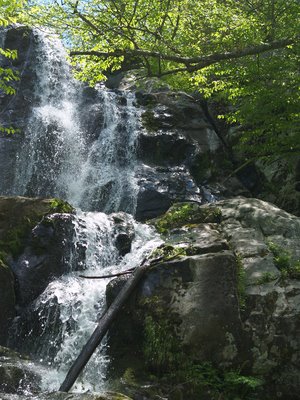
[[104, 324], [128, 271]]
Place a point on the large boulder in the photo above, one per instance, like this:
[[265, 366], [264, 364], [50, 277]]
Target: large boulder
[[225, 292], [36, 241], [266, 240], [47, 253]]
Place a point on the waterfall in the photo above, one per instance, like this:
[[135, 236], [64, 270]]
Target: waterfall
[[94, 171], [106, 178], [58, 158], [53, 138]]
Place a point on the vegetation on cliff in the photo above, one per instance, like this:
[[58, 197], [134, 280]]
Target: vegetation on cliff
[[242, 53]]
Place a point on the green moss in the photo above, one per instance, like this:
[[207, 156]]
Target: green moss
[[167, 252], [161, 347], [181, 214], [172, 369], [25, 215], [14, 239], [60, 206], [166, 359]]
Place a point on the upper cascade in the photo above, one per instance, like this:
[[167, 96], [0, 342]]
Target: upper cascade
[[62, 155]]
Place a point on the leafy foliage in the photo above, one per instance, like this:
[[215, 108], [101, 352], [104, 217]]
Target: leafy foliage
[[289, 268], [244, 53], [9, 15], [165, 358]]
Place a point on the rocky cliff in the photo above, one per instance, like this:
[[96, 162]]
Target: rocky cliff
[[218, 316], [227, 296]]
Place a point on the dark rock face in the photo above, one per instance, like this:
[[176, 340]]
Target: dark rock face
[[123, 232], [181, 113], [160, 187], [16, 109], [47, 255], [7, 300], [175, 137], [35, 246]]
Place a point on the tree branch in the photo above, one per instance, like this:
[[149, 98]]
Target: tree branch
[[191, 63]]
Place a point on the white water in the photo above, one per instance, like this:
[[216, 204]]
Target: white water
[[57, 159], [53, 138], [110, 161], [81, 301]]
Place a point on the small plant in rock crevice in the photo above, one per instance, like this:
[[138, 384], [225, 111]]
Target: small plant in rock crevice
[[283, 260]]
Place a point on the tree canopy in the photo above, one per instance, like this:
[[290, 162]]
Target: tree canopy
[[244, 52], [9, 14]]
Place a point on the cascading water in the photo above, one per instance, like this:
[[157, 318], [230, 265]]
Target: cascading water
[[53, 139], [67, 310], [106, 178], [59, 159]]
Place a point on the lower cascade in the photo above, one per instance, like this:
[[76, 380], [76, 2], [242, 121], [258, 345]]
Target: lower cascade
[[63, 317]]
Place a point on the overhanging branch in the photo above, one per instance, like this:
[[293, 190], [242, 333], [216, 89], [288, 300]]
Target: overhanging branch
[[191, 64]]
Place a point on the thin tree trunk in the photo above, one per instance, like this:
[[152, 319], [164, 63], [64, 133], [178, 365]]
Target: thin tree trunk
[[103, 325]]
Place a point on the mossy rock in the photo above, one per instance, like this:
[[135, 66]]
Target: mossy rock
[[181, 214], [18, 215]]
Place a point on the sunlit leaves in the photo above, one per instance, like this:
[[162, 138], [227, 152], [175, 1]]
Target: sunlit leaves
[[9, 14], [263, 90]]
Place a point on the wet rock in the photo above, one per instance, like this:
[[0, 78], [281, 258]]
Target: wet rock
[[47, 255], [20, 378], [123, 232], [15, 109], [7, 300], [160, 187], [35, 243], [176, 110], [164, 149], [17, 373]]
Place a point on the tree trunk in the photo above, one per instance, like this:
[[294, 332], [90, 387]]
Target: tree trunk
[[103, 325]]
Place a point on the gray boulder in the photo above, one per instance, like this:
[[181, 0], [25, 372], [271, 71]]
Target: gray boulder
[[36, 239], [225, 292]]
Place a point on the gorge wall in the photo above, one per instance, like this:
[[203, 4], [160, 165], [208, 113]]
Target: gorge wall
[[226, 291]]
